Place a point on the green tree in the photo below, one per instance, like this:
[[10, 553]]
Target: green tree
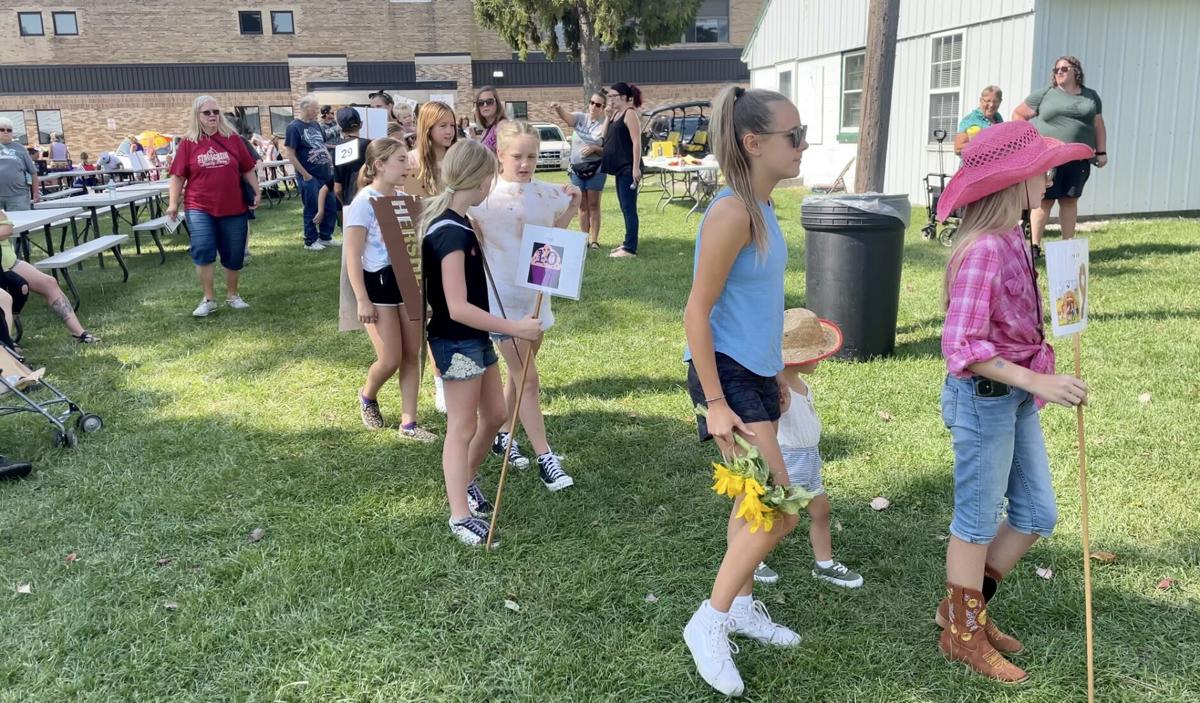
[[588, 25]]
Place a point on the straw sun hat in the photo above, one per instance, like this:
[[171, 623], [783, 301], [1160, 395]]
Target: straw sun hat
[[808, 338], [1002, 156]]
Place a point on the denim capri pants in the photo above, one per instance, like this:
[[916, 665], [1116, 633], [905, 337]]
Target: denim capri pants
[[217, 235], [999, 457]]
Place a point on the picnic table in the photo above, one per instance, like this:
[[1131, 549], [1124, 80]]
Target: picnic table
[[26, 221], [94, 202], [698, 182]]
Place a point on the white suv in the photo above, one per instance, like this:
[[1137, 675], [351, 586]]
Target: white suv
[[555, 152]]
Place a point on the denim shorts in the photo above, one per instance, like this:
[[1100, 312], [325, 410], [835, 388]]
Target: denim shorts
[[462, 359], [596, 182], [217, 235], [752, 397], [999, 457]]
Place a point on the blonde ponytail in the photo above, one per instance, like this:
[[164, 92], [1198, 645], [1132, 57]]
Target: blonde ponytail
[[466, 166]]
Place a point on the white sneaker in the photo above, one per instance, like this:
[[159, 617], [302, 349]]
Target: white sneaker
[[752, 620], [439, 395], [237, 303], [707, 637], [315, 246], [205, 308], [330, 242]]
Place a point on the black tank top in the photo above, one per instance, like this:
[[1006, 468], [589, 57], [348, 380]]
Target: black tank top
[[617, 159]]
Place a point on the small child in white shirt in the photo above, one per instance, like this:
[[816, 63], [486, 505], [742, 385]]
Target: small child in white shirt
[[807, 340]]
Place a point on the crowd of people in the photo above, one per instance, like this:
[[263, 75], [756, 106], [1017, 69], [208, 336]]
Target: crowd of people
[[745, 354]]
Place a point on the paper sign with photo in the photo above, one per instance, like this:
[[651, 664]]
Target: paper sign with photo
[[345, 153], [552, 260], [1067, 269]]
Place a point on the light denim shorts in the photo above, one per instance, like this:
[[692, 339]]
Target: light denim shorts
[[1000, 463]]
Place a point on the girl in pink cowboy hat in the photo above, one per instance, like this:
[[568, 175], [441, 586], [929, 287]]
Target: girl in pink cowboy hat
[[1000, 372]]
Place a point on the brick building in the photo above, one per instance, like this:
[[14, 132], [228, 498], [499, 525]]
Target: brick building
[[102, 69]]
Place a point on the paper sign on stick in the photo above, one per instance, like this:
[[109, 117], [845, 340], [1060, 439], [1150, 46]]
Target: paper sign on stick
[[1067, 269], [552, 260]]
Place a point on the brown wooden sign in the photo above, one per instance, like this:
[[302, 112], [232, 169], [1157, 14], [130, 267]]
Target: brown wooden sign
[[397, 217]]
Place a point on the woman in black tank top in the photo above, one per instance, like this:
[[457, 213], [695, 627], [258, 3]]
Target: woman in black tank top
[[622, 158]]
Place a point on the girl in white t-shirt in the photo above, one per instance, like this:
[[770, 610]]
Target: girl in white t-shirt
[[396, 338], [514, 201]]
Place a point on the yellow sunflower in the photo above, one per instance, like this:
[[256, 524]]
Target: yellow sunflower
[[727, 483]]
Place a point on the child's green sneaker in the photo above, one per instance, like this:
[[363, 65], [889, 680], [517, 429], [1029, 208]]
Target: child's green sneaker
[[765, 574], [837, 574]]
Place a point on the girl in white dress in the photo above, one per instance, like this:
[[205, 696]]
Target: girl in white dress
[[514, 201]]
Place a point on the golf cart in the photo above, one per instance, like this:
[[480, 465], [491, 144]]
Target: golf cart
[[685, 124]]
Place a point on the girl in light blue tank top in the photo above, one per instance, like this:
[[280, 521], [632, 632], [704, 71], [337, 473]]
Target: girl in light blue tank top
[[734, 327]]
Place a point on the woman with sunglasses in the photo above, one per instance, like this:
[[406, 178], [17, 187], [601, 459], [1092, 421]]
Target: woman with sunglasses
[[622, 158], [1069, 112], [488, 115], [587, 148]]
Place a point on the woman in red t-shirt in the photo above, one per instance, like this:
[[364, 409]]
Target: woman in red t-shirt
[[213, 162]]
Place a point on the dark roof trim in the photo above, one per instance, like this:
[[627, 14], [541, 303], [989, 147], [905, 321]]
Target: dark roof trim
[[385, 85], [679, 66], [316, 56], [381, 72], [66, 79]]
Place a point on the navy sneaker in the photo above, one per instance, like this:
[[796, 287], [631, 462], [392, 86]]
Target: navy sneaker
[[472, 532], [515, 458], [479, 504], [552, 474]]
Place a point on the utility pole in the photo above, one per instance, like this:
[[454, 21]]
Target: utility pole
[[882, 25]]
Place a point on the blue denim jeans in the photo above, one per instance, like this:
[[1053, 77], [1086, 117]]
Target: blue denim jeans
[[999, 454], [217, 235], [310, 191], [627, 195]]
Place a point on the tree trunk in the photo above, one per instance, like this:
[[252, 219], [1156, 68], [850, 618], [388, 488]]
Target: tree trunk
[[589, 53], [882, 25]]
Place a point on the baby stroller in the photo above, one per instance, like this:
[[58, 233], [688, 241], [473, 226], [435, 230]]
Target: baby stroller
[[935, 183], [20, 390]]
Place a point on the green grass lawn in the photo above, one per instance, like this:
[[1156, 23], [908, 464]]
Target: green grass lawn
[[357, 592]]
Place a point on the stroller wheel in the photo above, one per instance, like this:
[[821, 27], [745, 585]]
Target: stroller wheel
[[947, 235], [929, 231], [89, 423], [62, 440]]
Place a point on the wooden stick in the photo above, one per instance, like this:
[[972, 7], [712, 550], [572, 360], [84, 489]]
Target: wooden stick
[[1083, 516], [514, 421]]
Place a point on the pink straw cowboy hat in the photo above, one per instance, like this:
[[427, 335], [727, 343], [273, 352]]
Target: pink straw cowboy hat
[[808, 338], [1001, 156]]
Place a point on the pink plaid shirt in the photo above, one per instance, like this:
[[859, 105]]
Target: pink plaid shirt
[[996, 308]]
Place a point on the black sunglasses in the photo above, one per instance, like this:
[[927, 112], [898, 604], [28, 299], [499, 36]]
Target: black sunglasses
[[1062, 69], [596, 104], [796, 133], [5, 129], [210, 113], [485, 102]]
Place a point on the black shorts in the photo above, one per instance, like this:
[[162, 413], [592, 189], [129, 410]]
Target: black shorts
[[752, 397], [382, 288], [1069, 179]]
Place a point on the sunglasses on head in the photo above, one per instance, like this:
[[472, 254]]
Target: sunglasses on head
[[486, 102], [1062, 69], [796, 133], [210, 113], [379, 94]]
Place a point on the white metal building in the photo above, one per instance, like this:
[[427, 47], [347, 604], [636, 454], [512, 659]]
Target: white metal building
[[1143, 58]]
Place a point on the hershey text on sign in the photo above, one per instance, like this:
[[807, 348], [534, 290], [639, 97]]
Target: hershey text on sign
[[397, 218]]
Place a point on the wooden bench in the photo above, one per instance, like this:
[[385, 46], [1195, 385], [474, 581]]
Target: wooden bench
[[63, 260]]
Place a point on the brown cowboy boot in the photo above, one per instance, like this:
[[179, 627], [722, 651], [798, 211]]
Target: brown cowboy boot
[[965, 640], [1002, 641]]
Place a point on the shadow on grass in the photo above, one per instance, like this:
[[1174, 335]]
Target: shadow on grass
[[1121, 252]]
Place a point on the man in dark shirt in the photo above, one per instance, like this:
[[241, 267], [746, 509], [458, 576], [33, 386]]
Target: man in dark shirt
[[304, 147]]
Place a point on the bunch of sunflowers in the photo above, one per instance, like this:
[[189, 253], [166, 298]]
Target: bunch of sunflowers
[[747, 476]]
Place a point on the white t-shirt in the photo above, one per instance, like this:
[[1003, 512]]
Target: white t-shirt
[[799, 427], [502, 218], [360, 213]]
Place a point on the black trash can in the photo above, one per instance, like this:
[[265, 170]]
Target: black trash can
[[854, 252]]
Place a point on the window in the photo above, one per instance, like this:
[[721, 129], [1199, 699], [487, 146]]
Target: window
[[945, 83], [282, 22], [65, 24], [517, 111], [785, 84], [18, 121], [31, 24], [281, 117], [853, 65], [48, 121], [250, 22], [245, 120], [712, 23]]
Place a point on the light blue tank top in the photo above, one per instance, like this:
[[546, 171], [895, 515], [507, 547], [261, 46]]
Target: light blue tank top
[[747, 319]]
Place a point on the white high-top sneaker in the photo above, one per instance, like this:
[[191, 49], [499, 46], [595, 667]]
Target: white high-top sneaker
[[752, 620], [707, 636]]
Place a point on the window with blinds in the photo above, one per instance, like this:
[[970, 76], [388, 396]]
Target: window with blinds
[[945, 84], [853, 65]]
